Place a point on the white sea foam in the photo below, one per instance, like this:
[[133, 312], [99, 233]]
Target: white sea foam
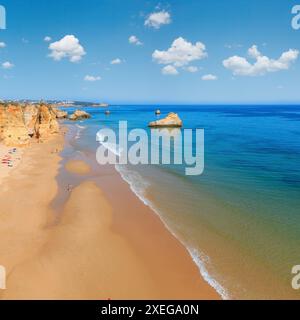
[[79, 131], [100, 137], [112, 147], [77, 136], [201, 260], [139, 186]]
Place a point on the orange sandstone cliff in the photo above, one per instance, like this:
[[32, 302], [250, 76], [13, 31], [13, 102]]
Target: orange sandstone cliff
[[19, 124]]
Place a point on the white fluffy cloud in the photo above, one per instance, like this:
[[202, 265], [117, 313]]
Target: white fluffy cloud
[[134, 40], [157, 19], [7, 65], [47, 39], [253, 52], [68, 47], [92, 78], [2, 44], [263, 64], [192, 69], [169, 70], [180, 53], [116, 61], [209, 77]]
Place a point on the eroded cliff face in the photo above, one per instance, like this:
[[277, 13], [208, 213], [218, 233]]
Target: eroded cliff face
[[31, 118], [19, 124], [47, 123]]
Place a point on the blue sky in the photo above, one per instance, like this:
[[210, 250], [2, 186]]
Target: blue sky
[[226, 28]]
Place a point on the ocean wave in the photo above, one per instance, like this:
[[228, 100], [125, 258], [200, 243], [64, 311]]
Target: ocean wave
[[201, 260], [112, 147], [78, 135], [79, 131], [139, 186], [80, 127], [136, 183]]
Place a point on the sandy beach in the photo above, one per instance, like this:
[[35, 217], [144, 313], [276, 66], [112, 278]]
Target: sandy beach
[[106, 244], [10, 158]]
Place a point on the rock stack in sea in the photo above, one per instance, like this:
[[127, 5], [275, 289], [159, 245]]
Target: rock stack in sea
[[172, 120], [20, 123], [60, 114], [79, 115]]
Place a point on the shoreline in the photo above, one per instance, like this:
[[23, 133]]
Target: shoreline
[[115, 186], [142, 261], [195, 255]]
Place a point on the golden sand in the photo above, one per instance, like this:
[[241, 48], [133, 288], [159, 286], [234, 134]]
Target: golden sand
[[78, 167], [107, 243]]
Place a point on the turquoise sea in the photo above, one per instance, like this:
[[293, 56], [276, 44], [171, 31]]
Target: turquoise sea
[[240, 219]]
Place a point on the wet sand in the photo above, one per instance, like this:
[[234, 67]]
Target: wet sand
[[77, 167], [106, 243]]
